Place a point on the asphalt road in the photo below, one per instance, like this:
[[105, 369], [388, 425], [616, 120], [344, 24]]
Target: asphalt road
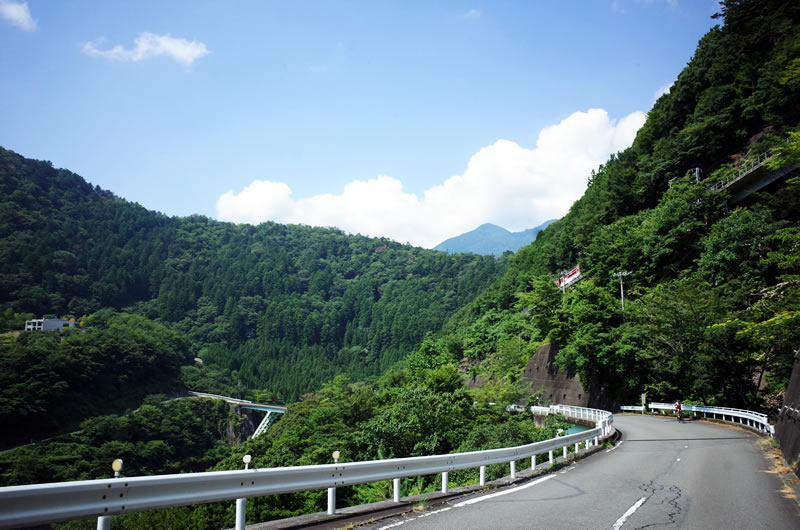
[[664, 474]]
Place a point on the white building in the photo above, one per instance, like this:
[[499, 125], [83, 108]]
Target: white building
[[49, 324]]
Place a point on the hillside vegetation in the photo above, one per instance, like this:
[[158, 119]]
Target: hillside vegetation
[[271, 307], [711, 310], [50, 382], [712, 301]]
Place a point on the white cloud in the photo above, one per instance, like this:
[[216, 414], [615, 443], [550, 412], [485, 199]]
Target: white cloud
[[472, 14], [504, 183], [661, 91], [260, 196], [149, 45], [18, 14]]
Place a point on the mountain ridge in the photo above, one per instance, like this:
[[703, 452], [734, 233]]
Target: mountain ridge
[[285, 307], [491, 239]]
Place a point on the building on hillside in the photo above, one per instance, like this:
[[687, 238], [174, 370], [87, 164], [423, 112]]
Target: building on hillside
[[568, 278], [49, 324]]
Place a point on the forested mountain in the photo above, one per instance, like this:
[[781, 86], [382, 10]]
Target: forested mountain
[[712, 304], [490, 239], [712, 298], [49, 382], [273, 307]]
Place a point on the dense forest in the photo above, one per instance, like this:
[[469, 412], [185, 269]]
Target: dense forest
[[268, 307], [711, 299], [712, 304], [176, 436], [49, 382]]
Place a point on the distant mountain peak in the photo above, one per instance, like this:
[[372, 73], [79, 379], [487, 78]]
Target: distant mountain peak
[[490, 239], [488, 228]]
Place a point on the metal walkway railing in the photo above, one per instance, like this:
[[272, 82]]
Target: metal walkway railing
[[749, 166]]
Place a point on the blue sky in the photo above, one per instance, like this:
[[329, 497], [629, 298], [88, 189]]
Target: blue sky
[[412, 120]]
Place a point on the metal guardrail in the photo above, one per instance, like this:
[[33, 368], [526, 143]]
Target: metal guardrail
[[47, 503], [755, 420], [748, 167], [582, 413], [217, 396], [638, 408], [246, 403]]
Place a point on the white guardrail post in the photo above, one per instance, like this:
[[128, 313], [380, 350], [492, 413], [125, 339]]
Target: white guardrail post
[[331, 501], [104, 521], [241, 504], [41, 504]]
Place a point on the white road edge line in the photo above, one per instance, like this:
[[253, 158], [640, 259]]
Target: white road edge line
[[620, 443], [504, 492], [401, 523], [627, 514], [473, 501]]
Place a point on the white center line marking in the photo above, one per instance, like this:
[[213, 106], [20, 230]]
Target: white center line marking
[[627, 514]]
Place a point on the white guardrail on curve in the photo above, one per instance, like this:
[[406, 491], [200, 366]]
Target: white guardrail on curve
[[755, 420], [38, 504]]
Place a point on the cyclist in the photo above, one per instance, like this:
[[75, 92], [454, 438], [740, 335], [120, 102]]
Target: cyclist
[[679, 410]]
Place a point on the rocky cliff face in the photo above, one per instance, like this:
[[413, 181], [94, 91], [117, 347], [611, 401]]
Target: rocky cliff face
[[560, 386], [787, 431], [242, 424], [557, 386]]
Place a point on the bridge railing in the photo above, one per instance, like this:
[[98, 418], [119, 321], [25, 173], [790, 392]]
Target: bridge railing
[[243, 402], [749, 166], [755, 420], [39, 504]]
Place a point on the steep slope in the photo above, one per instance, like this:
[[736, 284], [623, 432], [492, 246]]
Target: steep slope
[[489, 239], [711, 301]]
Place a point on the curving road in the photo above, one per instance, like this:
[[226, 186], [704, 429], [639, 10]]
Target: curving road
[[664, 474]]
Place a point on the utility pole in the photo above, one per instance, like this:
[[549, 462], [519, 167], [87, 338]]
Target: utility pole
[[620, 275]]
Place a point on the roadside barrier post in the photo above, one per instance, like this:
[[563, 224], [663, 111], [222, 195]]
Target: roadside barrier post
[[104, 521], [241, 504], [332, 491]]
